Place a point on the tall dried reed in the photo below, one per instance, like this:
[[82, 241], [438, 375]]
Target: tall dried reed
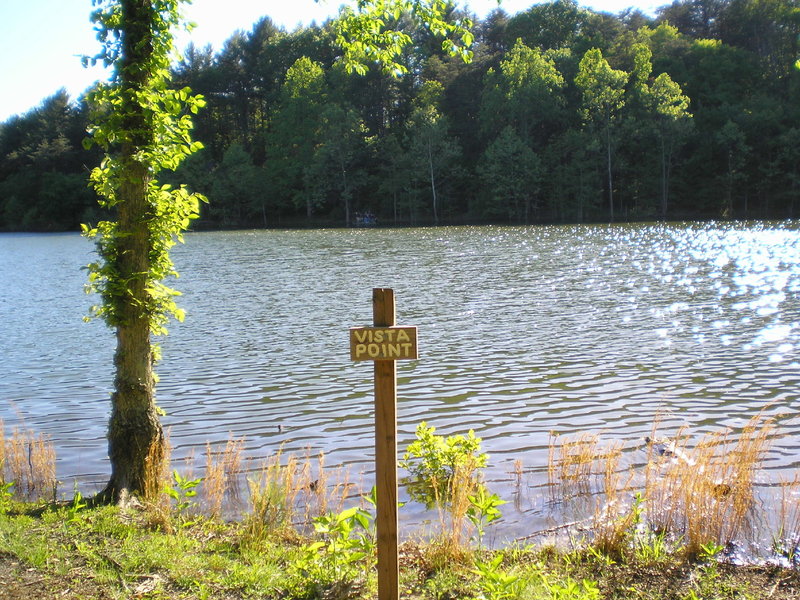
[[213, 484], [706, 493], [221, 481], [157, 502], [614, 517], [578, 466], [463, 484], [664, 472], [288, 492], [30, 462], [273, 492], [787, 541]]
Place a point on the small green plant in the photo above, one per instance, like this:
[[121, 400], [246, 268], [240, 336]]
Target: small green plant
[[181, 492], [709, 576], [573, 590], [5, 496], [495, 584], [710, 550], [347, 538], [434, 460], [74, 507], [600, 557], [483, 510], [651, 547], [786, 546]]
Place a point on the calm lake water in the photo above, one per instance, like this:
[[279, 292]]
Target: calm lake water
[[523, 332]]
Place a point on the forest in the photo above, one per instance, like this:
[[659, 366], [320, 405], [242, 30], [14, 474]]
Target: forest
[[564, 115]]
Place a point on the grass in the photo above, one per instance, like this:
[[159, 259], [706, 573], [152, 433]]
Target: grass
[[111, 553], [653, 532]]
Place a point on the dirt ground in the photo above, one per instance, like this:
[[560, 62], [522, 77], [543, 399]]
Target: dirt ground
[[18, 582]]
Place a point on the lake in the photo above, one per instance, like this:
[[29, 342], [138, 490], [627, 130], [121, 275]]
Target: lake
[[523, 331]]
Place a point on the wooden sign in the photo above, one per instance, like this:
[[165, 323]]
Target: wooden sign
[[383, 343]]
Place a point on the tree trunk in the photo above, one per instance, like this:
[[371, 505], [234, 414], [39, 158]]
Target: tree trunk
[[345, 191], [135, 436], [610, 177], [433, 185], [664, 179]]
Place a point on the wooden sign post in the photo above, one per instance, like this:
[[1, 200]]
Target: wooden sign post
[[384, 344]]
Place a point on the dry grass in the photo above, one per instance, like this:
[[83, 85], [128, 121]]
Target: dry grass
[[664, 483], [288, 492], [614, 518], [214, 484], [221, 481], [273, 495], [159, 505], [328, 491], [787, 541], [518, 472], [570, 469], [580, 465], [29, 460], [705, 493], [452, 513]]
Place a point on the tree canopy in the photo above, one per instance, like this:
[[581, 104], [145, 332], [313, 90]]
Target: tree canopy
[[688, 114]]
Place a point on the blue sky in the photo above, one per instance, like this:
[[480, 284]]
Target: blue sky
[[41, 41]]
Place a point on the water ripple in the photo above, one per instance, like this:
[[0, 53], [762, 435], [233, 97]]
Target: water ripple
[[523, 331]]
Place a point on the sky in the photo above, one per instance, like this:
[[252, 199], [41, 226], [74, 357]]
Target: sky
[[41, 41]]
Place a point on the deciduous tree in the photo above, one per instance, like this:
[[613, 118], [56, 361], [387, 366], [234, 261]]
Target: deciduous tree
[[603, 93], [144, 127]]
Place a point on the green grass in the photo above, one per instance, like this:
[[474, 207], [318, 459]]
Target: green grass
[[114, 553]]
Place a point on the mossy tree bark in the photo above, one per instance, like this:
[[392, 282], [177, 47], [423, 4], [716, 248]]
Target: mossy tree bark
[[135, 436]]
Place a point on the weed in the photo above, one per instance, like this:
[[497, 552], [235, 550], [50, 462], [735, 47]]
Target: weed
[[651, 547], [181, 492], [5, 496], [333, 561], [74, 507], [483, 510], [495, 584], [572, 590], [710, 551]]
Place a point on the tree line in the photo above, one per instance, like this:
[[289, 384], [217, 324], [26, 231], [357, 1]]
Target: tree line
[[564, 115]]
